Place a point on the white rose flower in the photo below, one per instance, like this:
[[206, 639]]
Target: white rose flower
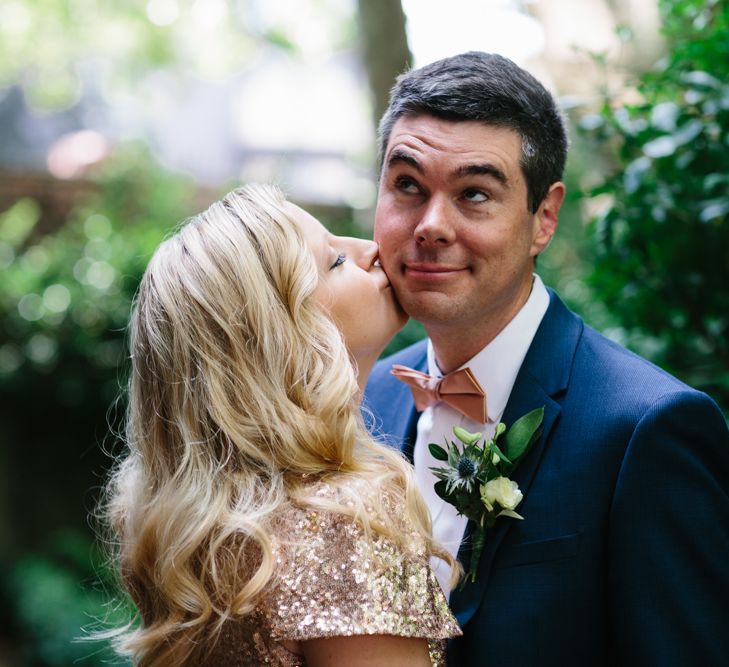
[[503, 491]]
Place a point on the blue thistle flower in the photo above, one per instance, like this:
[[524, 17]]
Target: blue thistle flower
[[466, 468], [463, 474]]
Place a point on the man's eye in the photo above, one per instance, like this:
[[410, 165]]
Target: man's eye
[[475, 196], [407, 185], [341, 258]]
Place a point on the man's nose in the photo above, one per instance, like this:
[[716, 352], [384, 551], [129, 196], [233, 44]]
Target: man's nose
[[435, 226]]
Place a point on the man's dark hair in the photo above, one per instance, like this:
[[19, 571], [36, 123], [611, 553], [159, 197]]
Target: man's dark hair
[[489, 88]]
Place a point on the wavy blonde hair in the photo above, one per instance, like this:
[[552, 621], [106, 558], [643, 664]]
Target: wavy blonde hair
[[242, 393]]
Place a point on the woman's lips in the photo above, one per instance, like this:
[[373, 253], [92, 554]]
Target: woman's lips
[[386, 284]]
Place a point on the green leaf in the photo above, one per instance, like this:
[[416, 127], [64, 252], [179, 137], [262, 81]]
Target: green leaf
[[453, 455], [441, 489], [440, 473], [501, 455], [522, 434], [490, 472], [473, 451], [437, 452]]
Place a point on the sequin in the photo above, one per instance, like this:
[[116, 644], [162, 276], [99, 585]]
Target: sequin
[[332, 581]]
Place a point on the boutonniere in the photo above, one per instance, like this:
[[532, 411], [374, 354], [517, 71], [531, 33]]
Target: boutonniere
[[476, 481]]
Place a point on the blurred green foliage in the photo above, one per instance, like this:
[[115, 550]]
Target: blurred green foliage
[[65, 299], [70, 291], [64, 304], [54, 48], [56, 597], [662, 263], [65, 296]]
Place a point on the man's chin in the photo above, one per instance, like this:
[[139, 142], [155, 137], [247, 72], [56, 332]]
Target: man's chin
[[427, 306]]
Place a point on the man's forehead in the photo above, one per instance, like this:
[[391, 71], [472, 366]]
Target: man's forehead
[[421, 132], [466, 147]]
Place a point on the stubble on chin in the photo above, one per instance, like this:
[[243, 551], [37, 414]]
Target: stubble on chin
[[426, 306]]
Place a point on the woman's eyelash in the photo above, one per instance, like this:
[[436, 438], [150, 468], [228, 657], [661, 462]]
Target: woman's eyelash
[[341, 258]]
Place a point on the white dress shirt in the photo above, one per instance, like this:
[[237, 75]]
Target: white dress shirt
[[495, 367]]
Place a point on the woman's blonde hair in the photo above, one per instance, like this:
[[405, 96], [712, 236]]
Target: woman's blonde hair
[[242, 393]]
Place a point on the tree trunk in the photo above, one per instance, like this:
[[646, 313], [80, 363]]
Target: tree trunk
[[385, 48]]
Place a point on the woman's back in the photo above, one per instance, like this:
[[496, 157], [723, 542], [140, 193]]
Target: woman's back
[[333, 581]]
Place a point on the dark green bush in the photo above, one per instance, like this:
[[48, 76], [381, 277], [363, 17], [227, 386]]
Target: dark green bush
[[662, 265], [64, 305]]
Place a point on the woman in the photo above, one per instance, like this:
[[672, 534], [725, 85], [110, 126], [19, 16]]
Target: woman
[[256, 519]]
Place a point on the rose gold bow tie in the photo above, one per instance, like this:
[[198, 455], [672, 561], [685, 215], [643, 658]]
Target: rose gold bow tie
[[460, 389]]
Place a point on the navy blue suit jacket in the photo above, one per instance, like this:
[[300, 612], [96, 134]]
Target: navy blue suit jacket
[[623, 554]]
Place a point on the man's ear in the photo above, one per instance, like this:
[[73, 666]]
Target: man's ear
[[545, 219]]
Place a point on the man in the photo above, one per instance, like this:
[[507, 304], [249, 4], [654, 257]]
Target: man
[[623, 554]]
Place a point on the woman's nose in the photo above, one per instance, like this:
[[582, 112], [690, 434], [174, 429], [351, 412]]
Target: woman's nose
[[362, 251]]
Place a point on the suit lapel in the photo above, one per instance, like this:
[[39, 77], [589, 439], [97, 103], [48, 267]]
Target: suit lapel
[[542, 377]]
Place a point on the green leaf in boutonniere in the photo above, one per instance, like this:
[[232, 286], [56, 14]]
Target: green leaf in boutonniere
[[523, 433], [437, 452], [501, 455], [475, 481], [441, 489]]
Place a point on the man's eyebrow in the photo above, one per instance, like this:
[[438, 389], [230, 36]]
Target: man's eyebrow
[[485, 169], [402, 156]]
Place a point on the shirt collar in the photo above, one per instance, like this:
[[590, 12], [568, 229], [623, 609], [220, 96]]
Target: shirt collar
[[497, 365]]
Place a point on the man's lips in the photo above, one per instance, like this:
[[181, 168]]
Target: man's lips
[[431, 271]]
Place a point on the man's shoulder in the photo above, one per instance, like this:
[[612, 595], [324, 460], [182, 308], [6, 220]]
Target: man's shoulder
[[609, 358], [595, 353], [605, 368], [607, 380], [616, 378]]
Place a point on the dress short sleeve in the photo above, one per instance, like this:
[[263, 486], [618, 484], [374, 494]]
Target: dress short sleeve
[[335, 581]]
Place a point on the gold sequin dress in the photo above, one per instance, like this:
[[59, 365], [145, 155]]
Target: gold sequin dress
[[333, 581]]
